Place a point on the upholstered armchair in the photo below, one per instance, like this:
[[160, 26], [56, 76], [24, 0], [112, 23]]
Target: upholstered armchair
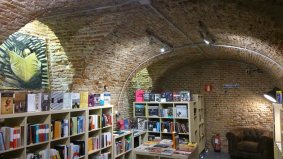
[[250, 143]]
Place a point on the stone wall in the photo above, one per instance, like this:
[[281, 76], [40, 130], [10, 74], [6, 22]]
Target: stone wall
[[225, 108]]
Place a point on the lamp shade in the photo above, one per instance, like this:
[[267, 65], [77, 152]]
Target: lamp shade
[[271, 95]]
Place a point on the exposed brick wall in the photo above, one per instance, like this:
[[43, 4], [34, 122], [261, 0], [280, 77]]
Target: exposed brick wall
[[225, 108]]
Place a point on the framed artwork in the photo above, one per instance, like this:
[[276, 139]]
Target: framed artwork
[[23, 63]]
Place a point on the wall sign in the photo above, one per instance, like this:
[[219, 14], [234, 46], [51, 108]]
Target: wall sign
[[231, 86]]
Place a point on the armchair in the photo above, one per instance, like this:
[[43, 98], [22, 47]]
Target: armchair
[[250, 143]]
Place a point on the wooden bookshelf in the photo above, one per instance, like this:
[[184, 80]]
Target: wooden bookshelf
[[46, 117]]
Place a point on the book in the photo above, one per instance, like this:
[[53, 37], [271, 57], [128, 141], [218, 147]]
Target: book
[[169, 96], [181, 111], [139, 95], [31, 102], [75, 100], [74, 151], [279, 97], [107, 98], [139, 110], [57, 100], [167, 152], [141, 124], [44, 99], [97, 99], [83, 99], [185, 95], [20, 102], [146, 97], [153, 111], [176, 97], [67, 102], [151, 97], [81, 144], [163, 97], [157, 97], [7, 103], [91, 100]]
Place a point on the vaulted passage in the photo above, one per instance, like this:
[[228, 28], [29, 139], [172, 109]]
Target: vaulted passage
[[160, 45]]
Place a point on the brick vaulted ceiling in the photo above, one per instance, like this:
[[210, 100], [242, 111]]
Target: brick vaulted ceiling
[[254, 28]]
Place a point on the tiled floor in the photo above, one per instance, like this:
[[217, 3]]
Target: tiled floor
[[214, 155]]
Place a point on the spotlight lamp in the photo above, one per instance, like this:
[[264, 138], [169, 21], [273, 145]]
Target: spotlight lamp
[[271, 95], [162, 50], [205, 34]]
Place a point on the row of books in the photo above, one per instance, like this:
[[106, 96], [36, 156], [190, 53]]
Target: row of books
[[78, 124], [128, 143], [72, 151], [142, 96], [106, 120], [167, 126], [143, 124], [94, 143], [20, 102], [99, 141], [102, 156], [119, 147], [94, 122], [38, 155], [60, 128], [181, 111], [106, 139], [10, 137], [37, 133], [181, 128], [154, 126]]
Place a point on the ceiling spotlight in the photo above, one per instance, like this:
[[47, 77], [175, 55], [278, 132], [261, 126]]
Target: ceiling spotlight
[[205, 34], [153, 38], [271, 95], [206, 41]]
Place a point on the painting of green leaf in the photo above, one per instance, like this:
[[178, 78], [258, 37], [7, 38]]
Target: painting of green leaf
[[23, 63]]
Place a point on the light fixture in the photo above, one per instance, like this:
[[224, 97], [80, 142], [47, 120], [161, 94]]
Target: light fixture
[[153, 38], [205, 35], [271, 95], [206, 41]]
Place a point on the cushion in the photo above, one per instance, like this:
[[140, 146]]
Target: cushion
[[248, 146], [252, 134]]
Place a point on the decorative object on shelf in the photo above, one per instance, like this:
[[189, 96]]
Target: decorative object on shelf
[[24, 62]]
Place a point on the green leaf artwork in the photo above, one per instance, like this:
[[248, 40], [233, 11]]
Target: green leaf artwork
[[23, 63]]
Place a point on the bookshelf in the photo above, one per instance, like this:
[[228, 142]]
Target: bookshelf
[[200, 131], [164, 113], [123, 145], [46, 140], [277, 130]]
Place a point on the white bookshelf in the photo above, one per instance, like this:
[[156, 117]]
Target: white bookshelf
[[190, 121], [46, 117], [277, 130]]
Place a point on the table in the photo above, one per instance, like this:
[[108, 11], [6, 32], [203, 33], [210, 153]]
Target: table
[[139, 154]]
